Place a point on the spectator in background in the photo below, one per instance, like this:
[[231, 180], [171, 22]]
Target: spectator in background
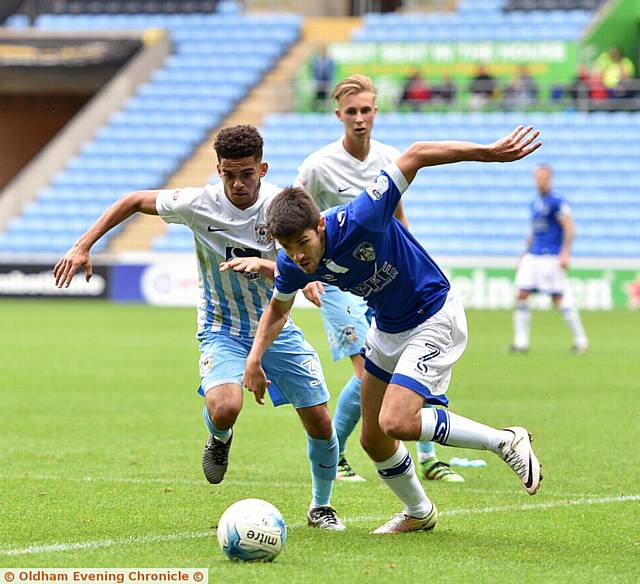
[[482, 88], [522, 92], [580, 88], [416, 92], [323, 69], [445, 93], [616, 72], [587, 91]]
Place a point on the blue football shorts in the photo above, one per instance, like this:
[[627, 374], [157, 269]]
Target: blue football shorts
[[290, 363], [346, 318]]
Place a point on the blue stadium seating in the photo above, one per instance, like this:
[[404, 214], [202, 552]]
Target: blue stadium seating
[[215, 63], [482, 209], [475, 20]]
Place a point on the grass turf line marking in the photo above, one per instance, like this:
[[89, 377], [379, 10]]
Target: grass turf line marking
[[89, 545], [240, 482], [64, 547], [147, 481]]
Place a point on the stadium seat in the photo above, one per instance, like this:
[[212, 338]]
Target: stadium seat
[[454, 209], [217, 60]]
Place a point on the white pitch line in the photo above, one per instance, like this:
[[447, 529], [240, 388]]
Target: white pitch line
[[89, 545], [149, 481], [167, 482], [542, 506], [133, 540]]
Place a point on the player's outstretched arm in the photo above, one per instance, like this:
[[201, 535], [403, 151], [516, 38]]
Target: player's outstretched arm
[[516, 145], [273, 319], [78, 256]]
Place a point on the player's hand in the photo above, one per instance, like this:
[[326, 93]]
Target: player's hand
[[244, 265], [313, 291], [520, 143], [255, 381], [564, 259], [69, 264]]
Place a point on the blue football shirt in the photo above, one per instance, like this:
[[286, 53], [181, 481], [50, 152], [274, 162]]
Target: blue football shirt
[[547, 229], [369, 253]]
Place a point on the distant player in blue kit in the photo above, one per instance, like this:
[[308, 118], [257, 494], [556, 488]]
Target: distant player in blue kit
[[236, 262], [419, 329], [543, 266], [334, 175]]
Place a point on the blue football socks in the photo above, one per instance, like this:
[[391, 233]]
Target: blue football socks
[[347, 411], [222, 435], [323, 457]]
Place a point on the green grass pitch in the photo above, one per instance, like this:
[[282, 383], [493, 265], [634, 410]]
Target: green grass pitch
[[101, 437]]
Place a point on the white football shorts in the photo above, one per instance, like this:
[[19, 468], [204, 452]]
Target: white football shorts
[[541, 273], [421, 358]]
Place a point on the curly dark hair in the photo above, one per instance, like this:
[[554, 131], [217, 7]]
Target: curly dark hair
[[292, 212], [238, 142]]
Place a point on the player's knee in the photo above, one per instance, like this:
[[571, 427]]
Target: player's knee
[[317, 421], [393, 423], [223, 415], [322, 428]]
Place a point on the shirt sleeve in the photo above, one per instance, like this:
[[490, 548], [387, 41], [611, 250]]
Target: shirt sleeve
[[178, 205], [289, 278], [563, 210], [373, 208], [308, 179]]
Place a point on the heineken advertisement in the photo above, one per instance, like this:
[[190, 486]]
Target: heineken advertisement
[[546, 60], [494, 288]]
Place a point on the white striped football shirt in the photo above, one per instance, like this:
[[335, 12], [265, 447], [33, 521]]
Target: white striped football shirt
[[230, 302]]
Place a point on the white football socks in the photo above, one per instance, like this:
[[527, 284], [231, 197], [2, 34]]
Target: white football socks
[[399, 474], [453, 430], [521, 325], [572, 318]]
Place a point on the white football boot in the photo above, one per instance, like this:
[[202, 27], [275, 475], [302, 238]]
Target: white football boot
[[403, 522], [519, 455]]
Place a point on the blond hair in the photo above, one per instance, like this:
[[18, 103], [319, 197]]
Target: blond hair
[[352, 85]]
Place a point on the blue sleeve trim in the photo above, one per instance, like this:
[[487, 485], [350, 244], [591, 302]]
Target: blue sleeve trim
[[413, 385], [376, 371]]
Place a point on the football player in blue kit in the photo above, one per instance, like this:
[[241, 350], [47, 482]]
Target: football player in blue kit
[[334, 175], [419, 328], [543, 266]]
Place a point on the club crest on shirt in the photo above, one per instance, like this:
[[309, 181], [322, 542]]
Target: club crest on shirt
[[378, 188], [365, 252], [262, 233]]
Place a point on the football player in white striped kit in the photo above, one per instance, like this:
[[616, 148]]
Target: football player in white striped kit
[[334, 175], [236, 261]]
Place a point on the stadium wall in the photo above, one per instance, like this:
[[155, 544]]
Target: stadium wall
[[56, 154], [172, 280], [617, 24]]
